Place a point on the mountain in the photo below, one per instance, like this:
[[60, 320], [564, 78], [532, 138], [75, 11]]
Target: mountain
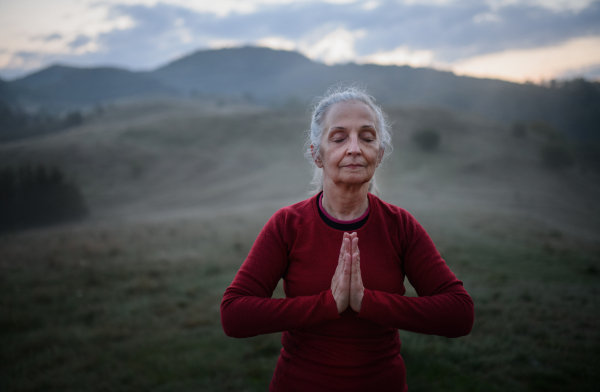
[[272, 77], [61, 87], [235, 71], [7, 91]]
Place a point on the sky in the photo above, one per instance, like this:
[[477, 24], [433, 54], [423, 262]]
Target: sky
[[516, 40]]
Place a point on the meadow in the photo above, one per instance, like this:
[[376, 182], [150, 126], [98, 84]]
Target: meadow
[[128, 299]]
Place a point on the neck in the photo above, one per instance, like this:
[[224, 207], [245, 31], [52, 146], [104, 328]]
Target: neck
[[345, 203]]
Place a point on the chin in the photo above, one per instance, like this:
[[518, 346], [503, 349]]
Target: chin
[[355, 181]]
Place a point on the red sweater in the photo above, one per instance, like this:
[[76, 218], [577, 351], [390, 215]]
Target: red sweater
[[326, 351]]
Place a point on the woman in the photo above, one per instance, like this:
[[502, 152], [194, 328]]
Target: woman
[[344, 291]]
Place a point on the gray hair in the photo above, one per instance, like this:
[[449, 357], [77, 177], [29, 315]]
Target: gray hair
[[337, 94]]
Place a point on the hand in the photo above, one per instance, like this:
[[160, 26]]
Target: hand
[[340, 283], [357, 290], [346, 284]]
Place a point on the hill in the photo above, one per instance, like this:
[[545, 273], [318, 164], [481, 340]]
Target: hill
[[161, 157], [178, 190], [274, 77], [247, 70], [60, 88]]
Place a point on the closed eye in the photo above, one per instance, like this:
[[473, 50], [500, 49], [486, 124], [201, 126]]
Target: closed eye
[[338, 137]]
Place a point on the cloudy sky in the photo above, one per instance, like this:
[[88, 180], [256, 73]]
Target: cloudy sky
[[519, 40]]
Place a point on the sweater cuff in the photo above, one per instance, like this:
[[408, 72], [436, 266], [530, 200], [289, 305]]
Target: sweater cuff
[[367, 310]]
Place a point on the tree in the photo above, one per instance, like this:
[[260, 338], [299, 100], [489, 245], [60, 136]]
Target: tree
[[427, 139], [519, 129], [557, 155], [34, 195]]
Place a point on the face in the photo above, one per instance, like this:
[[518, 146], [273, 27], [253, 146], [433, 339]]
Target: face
[[350, 145]]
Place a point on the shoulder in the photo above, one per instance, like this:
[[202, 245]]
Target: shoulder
[[398, 222], [283, 225], [388, 211], [296, 214]]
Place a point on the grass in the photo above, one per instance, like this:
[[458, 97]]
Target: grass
[[536, 326], [136, 307], [115, 306]]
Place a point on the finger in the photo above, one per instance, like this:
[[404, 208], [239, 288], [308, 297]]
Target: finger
[[354, 245], [342, 248], [340, 266], [347, 264], [344, 243], [348, 245], [355, 280], [360, 283], [344, 279]]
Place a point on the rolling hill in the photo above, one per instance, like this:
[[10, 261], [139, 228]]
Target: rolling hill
[[59, 88], [179, 189], [273, 77], [181, 158]]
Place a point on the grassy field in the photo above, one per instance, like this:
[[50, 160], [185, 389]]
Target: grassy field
[[128, 300], [137, 308]]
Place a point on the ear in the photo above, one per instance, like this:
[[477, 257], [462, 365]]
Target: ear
[[380, 156], [315, 157]]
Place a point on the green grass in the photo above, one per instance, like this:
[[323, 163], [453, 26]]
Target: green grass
[[137, 308], [536, 325]]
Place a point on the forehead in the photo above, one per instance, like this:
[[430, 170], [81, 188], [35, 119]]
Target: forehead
[[349, 115]]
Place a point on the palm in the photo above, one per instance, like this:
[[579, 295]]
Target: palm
[[346, 284]]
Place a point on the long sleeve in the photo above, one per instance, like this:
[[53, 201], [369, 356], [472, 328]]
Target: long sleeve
[[247, 308], [443, 307]]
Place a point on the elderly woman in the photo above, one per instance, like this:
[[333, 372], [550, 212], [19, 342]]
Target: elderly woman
[[343, 256]]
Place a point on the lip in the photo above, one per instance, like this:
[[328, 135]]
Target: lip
[[353, 166]]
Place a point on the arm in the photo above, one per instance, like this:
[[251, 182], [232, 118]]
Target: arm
[[247, 308], [443, 307]]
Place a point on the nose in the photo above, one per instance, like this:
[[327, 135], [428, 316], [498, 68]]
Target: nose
[[353, 148]]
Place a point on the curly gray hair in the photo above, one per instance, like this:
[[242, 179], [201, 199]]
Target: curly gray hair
[[337, 94]]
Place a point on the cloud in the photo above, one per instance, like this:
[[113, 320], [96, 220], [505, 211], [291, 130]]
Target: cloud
[[401, 55], [418, 33], [575, 57], [52, 37], [453, 30], [79, 41]]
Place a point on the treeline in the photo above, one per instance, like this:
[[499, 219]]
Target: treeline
[[558, 151], [576, 105], [17, 124], [37, 195]]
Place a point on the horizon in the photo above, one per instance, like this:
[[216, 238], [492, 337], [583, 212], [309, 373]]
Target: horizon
[[543, 83], [513, 40]]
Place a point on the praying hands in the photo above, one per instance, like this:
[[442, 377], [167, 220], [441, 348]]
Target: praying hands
[[346, 284]]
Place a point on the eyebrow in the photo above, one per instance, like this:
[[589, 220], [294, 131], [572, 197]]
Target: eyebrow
[[363, 127]]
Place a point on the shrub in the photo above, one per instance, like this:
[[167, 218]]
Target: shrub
[[427, 139], [519, 129], [589, 155], [72, 119], [546, 130], [15, 123], [557, 156], [36, 195]]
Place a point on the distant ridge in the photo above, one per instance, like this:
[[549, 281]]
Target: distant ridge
[[62, 87], [7, 92], [232, 70], [272, 77]]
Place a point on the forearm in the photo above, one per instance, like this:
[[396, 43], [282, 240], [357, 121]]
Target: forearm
[[244, 315], [449, 314]]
